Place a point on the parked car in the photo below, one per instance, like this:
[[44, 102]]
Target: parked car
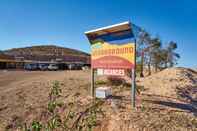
[[43, 67], [53, 67], [71, 66], [75, 66], [85, 68], [31, 66]]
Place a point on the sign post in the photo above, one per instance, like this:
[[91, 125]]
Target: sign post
[[133, 81], [92, 90], [113, 51]]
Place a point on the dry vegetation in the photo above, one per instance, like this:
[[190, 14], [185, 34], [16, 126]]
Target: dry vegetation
[[167, 100]]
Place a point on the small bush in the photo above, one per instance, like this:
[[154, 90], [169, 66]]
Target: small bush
[[115, 80], [100, 82]]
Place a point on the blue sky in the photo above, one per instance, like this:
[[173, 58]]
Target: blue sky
[[63, 22]]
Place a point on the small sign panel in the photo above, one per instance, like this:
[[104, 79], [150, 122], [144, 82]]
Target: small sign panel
[[103, 92], [111, 72]]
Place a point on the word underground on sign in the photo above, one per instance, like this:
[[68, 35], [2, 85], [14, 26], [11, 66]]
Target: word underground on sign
[[114, 72]]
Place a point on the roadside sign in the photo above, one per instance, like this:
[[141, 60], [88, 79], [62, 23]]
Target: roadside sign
[[112, 47], [113, 50]]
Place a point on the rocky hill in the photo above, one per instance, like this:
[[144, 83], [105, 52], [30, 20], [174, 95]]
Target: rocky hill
[[45, 50], [47, 53], [4, 56]]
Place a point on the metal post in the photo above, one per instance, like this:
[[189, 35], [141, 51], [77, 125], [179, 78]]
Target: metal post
[[133, 90], [92, 83], [142, 64]]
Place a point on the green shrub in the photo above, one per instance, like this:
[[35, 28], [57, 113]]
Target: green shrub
[[100, 82], [115, 80]]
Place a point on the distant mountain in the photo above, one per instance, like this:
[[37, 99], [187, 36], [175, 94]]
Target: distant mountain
[[44, 50], [48, 53], [5, 57]]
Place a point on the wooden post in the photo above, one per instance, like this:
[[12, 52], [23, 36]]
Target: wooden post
[[92, 92]]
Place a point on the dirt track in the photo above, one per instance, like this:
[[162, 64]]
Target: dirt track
[[8, 79]]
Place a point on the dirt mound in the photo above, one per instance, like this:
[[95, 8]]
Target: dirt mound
[[169, 102], [173, 82]]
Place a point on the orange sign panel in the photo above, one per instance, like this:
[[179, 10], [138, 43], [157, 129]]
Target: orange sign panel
[[105, 55]]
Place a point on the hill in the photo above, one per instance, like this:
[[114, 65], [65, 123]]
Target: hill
[[47, 53], [4, 56], [44, 50]]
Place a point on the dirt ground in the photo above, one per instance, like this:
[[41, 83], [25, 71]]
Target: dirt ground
[[24, 94]]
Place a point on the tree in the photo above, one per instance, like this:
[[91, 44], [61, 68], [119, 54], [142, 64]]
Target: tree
[[154, 54], [144, 41], [172, 56], [164, 57], [151, 52]]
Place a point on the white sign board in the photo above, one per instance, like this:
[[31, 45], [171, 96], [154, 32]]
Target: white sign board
[[114, 72]]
